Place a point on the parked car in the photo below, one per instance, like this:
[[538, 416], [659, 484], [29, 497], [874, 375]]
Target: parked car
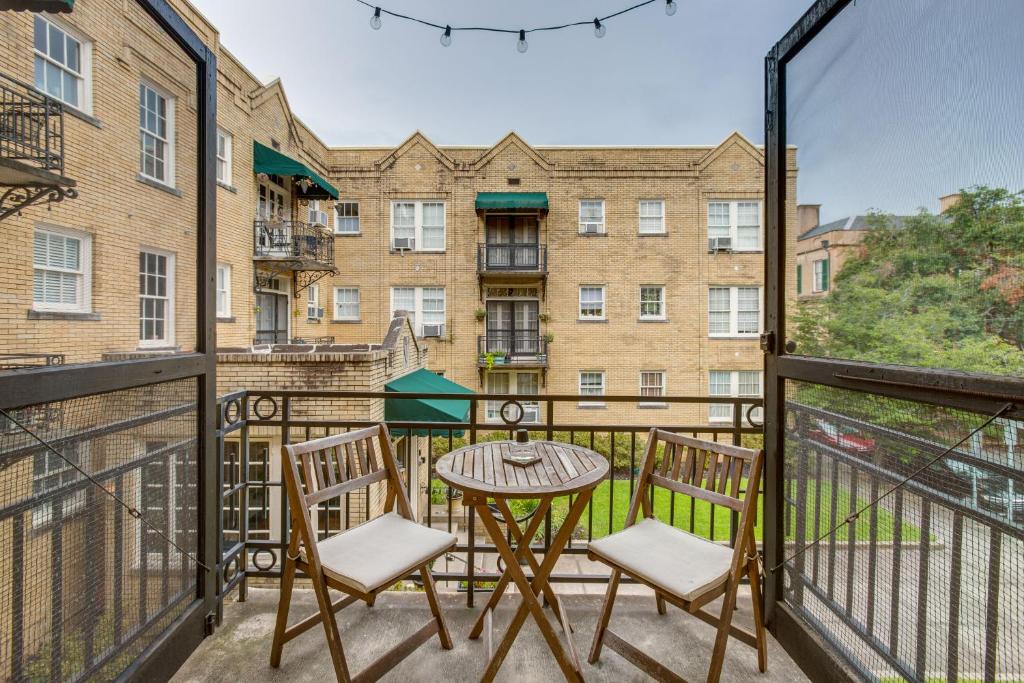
[[994, 495], [844, 438]]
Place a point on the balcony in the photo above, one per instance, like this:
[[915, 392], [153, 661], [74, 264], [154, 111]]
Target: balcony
[[283, 245], [31, 148], [525, 261], [520, 349]]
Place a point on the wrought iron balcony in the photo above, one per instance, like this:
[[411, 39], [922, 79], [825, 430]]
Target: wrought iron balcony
[[293, 245], [31, 148], [513, 348], [523, 259]]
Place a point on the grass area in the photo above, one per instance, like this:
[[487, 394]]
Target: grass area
[[614, 500]]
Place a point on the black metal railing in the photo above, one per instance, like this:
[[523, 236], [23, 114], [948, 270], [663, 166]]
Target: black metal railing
[[21, 361], [512, 347], [255, 528], [512, 257], [271, 337], [31, 126], [294, 241]]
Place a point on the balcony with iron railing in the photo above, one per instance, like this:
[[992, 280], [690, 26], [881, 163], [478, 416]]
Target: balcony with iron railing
[[512, 348], [293, 245], [517, 260]]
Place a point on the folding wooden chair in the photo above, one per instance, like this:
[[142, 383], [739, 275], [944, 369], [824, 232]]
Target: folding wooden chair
[[361, 561], [683, 569]]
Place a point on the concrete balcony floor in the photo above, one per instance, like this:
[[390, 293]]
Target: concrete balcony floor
[[240, 649]]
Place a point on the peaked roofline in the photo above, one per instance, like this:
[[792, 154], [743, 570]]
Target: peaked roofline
[[512, 138], [414, 139], [734, 138]]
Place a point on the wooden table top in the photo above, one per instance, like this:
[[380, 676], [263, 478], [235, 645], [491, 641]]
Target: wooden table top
[[563, 469]]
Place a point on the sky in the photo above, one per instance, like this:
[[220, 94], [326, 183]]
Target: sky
[[688, 79]]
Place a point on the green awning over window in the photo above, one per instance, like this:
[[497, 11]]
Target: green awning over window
[[511, 200], [425, 409], [267, 160]]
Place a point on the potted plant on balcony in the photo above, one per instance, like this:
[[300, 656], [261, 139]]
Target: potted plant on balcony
[[480, 314], [544, 317], [500, 358]]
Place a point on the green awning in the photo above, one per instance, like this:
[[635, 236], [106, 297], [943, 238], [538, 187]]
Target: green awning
[[266, 160], [425, 409], [511, 200], [52, 6]]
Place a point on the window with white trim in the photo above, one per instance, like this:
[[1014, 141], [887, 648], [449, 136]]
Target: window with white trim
[[224, 144], [223, 290], [591, 216], [62, 64], [527, 383], [313, 311], [418, 225], [820, 283], [346, 218], [346, 303], [51, 472], [652, 302], [156, 131], [426, 306], [592, 302], [734, 311], [652, 384], [733, 383], [739, 221], [652, 216], [61, 270], [156, 299], [591, 384]]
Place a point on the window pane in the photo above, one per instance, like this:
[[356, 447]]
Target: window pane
[[56, 44], [40, 34]]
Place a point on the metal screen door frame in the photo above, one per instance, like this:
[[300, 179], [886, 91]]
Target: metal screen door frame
[[162, 658], [974, 392]]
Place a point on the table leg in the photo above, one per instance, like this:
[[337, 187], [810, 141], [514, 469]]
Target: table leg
[[529, 591], [521, 549], [525, 539]]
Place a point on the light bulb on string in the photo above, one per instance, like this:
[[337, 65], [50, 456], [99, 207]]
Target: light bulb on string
[[446, 37], [599, 28], [375, 19], [522, 45], [670, 7]]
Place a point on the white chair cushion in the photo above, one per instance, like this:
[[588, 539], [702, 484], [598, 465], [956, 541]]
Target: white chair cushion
[[675, 561], [381, 551]]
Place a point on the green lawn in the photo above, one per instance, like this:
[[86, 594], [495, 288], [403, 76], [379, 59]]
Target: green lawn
[[701, 514]]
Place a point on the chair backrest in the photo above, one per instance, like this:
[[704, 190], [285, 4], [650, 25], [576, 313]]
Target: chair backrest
[[705, 470], [322, 469]]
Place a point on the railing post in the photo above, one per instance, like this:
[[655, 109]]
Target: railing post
[[243, 503]]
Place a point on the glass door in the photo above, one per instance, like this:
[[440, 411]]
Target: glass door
[[271, 318], [513, 327]]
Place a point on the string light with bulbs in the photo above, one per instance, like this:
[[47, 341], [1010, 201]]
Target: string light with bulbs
[[600, 29]]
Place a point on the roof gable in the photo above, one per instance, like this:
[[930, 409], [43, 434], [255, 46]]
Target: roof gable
[[512, 140], [735, 140], [274, 92], [414, 140]]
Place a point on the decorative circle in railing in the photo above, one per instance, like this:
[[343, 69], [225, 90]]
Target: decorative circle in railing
[[504, 410], [259, 565], [232, 411], [256, 407], [231, 569], [749, 413]]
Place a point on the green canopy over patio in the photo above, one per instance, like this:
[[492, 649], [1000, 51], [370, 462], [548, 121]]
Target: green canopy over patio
[[425, 409], [267, 160]]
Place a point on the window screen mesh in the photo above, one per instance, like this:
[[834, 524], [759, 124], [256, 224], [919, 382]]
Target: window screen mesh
[[928, 584], [85, 587]]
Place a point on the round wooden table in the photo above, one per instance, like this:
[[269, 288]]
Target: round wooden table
[[485, 473]]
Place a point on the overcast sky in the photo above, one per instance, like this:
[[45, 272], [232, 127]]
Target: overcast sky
[[687, 79]]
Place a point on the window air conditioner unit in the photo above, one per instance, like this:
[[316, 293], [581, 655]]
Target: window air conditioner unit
[[319, 313], [403, 243], [591, 228], [318, 218], [433, 330], [719, 244]]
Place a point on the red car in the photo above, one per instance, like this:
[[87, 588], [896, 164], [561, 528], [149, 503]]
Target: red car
[[845, 439]]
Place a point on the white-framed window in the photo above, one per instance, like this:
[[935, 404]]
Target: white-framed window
[[418, 225], [734, 311], [820, 283], [513, 383], [426, 306], [313, 310], [652, 302], [51, 472], [652, 385], [63, 63], [591, 216], [156, 131], [738, 221], [156, 298], [346, 303], [592, 302], [346, 218], [224, 144], [652, 216], [223, 290], [61, 270], [591, 384], [733, 383]]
